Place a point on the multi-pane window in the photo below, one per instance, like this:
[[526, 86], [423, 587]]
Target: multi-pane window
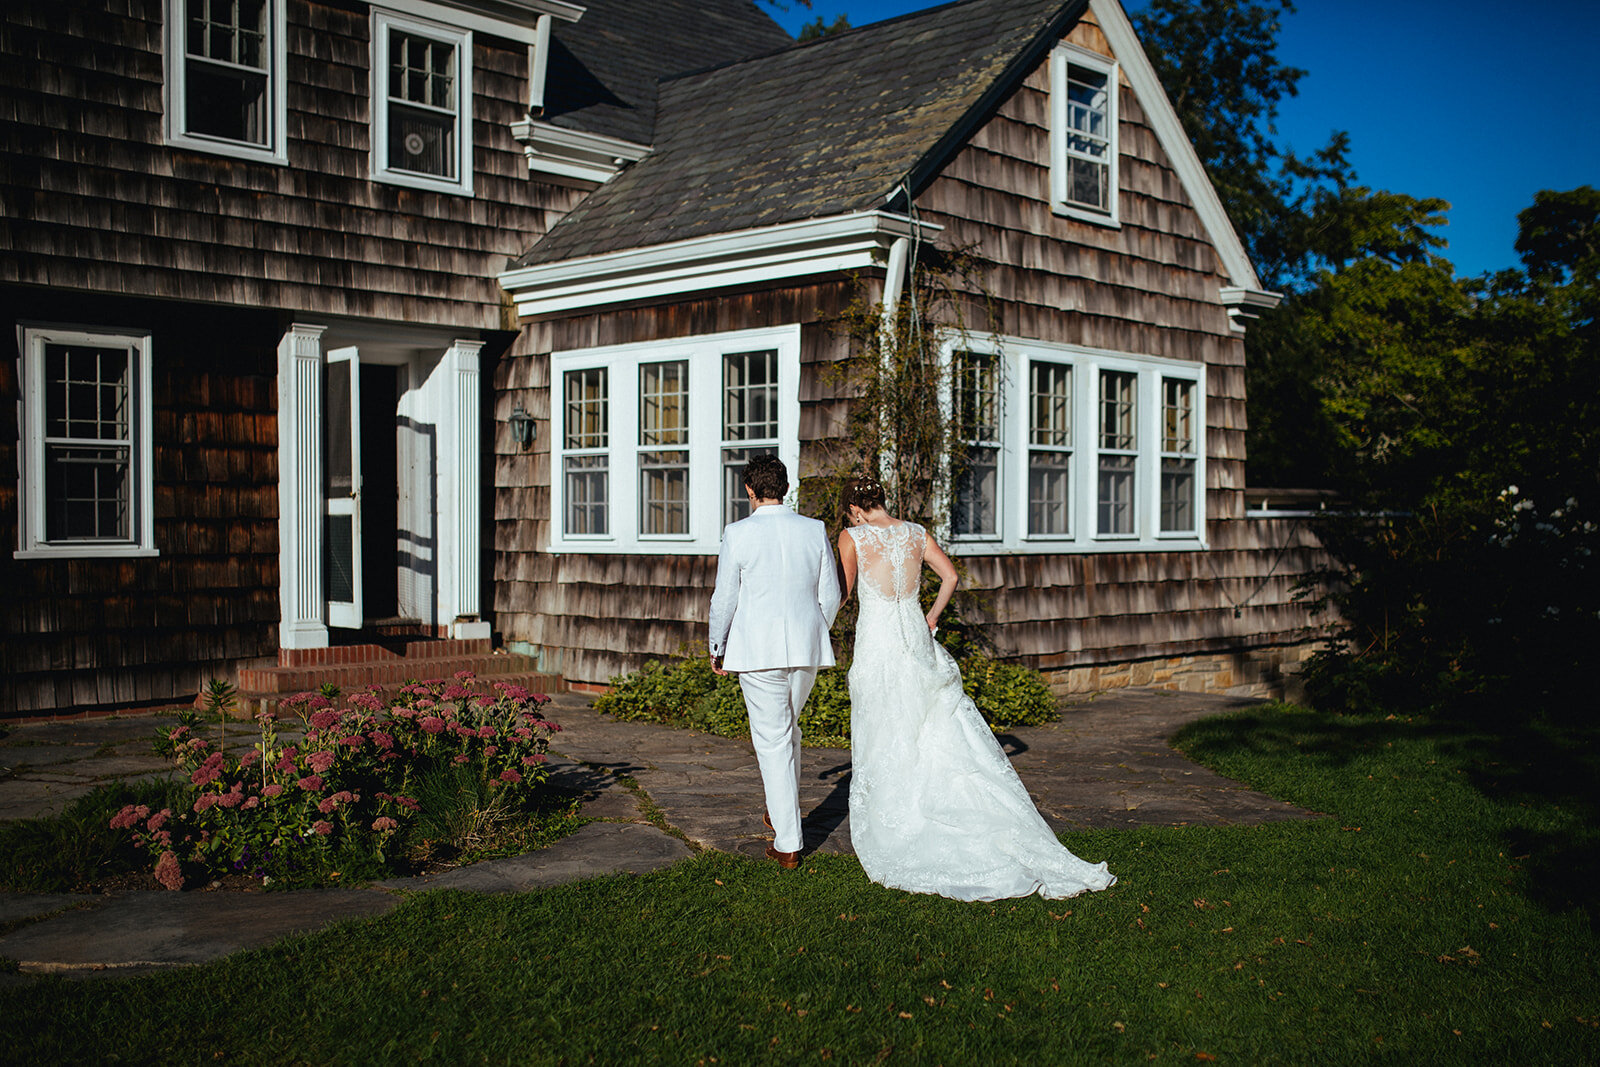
[[749, 422], [1179, 455], [976, 395], [422, 95], [663, 443], [225, 76], [651, 438], [86, 486], [1049, 448], [1084, 143], [1118, 453], [586, 466]]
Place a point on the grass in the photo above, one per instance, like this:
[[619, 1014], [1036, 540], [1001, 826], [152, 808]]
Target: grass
[[1419, 922]]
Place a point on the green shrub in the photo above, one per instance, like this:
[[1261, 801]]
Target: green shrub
[[687, 693], [78, 847]]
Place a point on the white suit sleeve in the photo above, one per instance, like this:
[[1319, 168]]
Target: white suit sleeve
[[828, 582], [725, 597]]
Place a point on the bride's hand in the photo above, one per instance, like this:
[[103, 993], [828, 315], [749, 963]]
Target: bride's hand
[[933, 623]]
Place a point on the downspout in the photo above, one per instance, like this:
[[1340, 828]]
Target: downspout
[[894, 282]]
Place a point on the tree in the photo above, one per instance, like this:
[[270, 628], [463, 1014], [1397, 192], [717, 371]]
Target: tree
[[818, 28]]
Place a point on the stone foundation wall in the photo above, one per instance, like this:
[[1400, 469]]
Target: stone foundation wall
[[1269, 673]]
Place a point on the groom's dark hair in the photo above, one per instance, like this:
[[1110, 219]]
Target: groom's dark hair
[[766, 477]]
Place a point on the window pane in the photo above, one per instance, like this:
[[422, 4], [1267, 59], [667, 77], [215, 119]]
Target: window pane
[[586, 424], [972, 511], [1177, 495], [977, 397], [735, 504], [1088, 182], [1050, 421], [1048, 492], [1177, 415], [587, 494], [750, 396], [1116, 495], [422, 141], [339, 465], [87, 493], [422, 70], [1116, 410], [341, 561], [664, 403], [228, 104], [229, 31], [664, 492], [87, 392]]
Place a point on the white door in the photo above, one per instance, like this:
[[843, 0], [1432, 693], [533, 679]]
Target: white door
[[342, 470]]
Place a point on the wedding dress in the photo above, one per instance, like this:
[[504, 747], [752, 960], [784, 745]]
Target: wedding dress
[[935, 806]]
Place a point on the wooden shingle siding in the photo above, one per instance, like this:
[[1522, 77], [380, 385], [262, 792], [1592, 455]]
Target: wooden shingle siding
[[81, 632], [102, 204]]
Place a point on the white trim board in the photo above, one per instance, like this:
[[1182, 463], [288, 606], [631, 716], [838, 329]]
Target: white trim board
[[769, 253]]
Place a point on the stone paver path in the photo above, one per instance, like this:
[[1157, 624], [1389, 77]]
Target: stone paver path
[[662, 793]]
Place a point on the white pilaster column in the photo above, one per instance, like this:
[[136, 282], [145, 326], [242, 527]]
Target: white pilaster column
[[301, 600], [461, 563]]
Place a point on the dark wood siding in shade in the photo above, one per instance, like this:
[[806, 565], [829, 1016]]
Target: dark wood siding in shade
[[80, 633], [95, 201], [1147, 287]]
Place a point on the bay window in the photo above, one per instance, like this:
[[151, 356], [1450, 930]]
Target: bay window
[[675, 421], [1030, 483]]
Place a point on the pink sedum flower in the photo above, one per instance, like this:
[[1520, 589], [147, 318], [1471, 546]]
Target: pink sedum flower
[[168, 873], [510, 775], [320, 761], [272, 790], [383, 823], [432, 724], [311, 782], [324, 719], [322, 827], [327, 806]]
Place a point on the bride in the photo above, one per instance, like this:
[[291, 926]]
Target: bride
[[935, 806]]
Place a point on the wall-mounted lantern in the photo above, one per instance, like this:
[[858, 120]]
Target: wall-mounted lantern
[[522, 428]]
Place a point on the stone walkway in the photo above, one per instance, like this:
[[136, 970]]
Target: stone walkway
[[1105, 764]]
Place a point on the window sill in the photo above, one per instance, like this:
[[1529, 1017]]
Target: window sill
[[231, 149], [86, 552], [1098, 545], [419, 181], [1097, 218]]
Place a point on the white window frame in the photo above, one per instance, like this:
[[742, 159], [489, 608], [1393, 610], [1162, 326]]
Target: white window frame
[[704, 356], [31, 534], [1061, 59], [176, 71], [383, 22], [1015, 358]]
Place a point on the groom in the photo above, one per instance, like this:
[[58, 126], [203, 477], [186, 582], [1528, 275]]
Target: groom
[[776, 596]]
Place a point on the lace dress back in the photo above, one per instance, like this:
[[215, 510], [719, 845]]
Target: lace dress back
[[935, 806]]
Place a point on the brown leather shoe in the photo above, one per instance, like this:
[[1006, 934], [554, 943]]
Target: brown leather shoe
[[787, 860], [767, 819]]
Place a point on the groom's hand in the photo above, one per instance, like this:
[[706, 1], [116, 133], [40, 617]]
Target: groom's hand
[[716, 665]]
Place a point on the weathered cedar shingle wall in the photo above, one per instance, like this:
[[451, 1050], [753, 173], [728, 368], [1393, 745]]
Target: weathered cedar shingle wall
[[594, 616], [1149, 287], [77, 633], [95, 201]]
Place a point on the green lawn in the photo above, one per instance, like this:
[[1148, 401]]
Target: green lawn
[[1440, 914]]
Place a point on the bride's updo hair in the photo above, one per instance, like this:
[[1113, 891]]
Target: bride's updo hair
[[863, 491]]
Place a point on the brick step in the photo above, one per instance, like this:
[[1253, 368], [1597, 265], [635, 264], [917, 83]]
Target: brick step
[[442, 648], [251, 702], [362, 673]]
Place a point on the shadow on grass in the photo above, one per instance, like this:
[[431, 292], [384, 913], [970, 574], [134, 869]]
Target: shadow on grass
[[1541, 782]]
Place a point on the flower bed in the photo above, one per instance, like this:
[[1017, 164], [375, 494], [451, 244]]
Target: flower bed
[[366, 786]]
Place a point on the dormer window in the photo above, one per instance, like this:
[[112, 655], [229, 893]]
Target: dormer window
[[225, 77], [422, 93], [1083, 135]]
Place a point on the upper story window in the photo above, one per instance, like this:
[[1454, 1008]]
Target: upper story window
[[1083, 134], [421, 103], [654, 437], [225, 77], [86, 453], [1063, 453]]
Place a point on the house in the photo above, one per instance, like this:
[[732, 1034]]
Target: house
[[351, 332]]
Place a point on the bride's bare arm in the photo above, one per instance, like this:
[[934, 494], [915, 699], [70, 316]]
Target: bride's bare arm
[[935, 558], [847, 561]]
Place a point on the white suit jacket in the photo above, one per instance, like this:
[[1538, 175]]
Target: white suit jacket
[[777, 593]]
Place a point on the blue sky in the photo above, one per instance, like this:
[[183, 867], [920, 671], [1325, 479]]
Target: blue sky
[[1476, 103]]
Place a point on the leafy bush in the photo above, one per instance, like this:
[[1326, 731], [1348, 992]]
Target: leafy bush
[[368, 783], [78, 848], [687, 693]]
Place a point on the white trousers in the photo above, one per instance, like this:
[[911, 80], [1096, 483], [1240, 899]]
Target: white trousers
[[774, 699]]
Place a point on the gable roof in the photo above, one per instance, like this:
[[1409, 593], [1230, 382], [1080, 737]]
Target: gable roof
[[604, 69], [826, 128]]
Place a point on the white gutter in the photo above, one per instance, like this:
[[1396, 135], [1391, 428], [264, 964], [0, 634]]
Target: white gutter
[[762, 254]]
